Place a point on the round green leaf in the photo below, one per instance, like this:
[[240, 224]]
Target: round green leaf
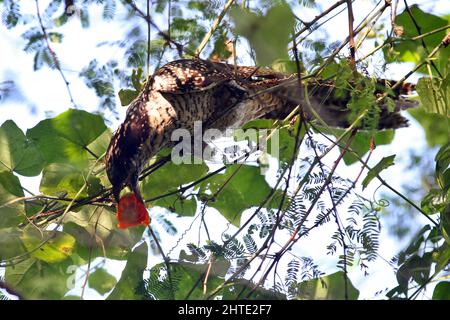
[[17, 152], [442, 291], [65, 179], [64, 139], [57, 248]]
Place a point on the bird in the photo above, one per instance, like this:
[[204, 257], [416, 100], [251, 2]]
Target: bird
[[220, 95]]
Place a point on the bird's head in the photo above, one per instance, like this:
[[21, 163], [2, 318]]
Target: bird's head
[[123, 166], [120, 165]]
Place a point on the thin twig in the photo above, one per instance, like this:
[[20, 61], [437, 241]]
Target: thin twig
[[318, 17], [351, 41], [419, 31], [165, 259], [363, 24], [382, 181], [443, 43], [91, 247], [213, 27], [53, 54], [148, 38], [180, 48]]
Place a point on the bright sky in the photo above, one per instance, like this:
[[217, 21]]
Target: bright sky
[[44, 92]]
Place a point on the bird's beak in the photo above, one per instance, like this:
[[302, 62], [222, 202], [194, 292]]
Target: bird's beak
[[116, 192]]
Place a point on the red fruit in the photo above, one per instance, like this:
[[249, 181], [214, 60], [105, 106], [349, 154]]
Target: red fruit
[[131, 212]]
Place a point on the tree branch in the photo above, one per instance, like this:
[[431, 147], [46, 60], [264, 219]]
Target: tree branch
[[53, 54]]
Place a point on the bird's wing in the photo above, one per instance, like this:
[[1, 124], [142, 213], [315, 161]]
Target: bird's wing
[[189, 76]]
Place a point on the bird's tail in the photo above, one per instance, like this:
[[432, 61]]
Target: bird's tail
[[332, 103]]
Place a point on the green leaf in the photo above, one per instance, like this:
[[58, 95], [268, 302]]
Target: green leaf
[[442, 291], [65, 179], [35, 279], [136, 77], [126, 96], [434, 202], [164, 180], [132, 275], [247, 188], [11, 214], [441, 256], [413, 51], [17, 152], [445, 223], [416, 268], [384, 163], [331, 287], [222, 49], [443, 167], [414, 246], [84, 18], [436, 126], [95, 229], [10, 243], [11, 14], [269, 35], [59, 246], [64, 139], [435, 95], [98, 147], [101, 281], [286, 66], [100, 144]]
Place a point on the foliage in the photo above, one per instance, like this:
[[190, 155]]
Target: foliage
[[326, 288], [416, 51], [268, 35], [431, 245], [383, 164], [435, 95]]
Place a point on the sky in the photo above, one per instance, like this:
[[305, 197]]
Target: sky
[[44, 93]]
